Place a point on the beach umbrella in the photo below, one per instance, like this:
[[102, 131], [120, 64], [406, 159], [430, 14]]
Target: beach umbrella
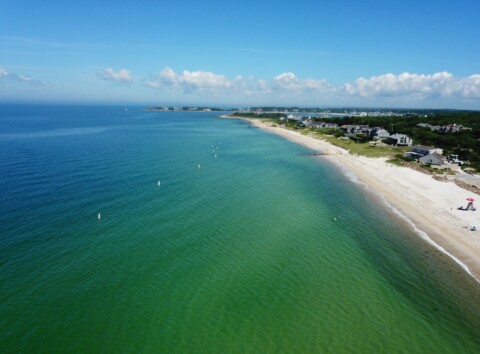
[[470, 199]]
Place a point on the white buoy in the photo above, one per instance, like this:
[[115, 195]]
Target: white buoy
[[199, 166], [158, 183], [99, 216]]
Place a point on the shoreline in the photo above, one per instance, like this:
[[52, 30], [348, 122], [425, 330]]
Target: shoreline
[[428, 206]]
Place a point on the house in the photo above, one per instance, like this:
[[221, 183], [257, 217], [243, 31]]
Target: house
[[354, 129], [324, 125], [452, 128], [330, 125], [426, 150], [378, 133], [432, 159], [400, 140]]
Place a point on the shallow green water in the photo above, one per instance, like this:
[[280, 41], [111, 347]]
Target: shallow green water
[[239, 255]]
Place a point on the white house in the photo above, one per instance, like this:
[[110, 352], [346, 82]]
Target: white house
[[432, 159], [379, 134], [401, 140]]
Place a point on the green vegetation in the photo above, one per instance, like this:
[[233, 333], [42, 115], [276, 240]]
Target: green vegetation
[[359, 147], [401, 160], [464, 143], [365, 149]]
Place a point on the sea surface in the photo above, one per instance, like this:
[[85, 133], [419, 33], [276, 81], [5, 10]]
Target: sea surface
[[213, 237]]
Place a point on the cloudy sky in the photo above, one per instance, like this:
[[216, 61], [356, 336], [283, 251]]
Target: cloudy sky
[[368, 53]]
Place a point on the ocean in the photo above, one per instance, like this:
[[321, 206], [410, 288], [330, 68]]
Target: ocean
[[123, 230]]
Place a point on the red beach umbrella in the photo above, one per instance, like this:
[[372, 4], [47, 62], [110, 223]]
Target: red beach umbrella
[[470, 199]]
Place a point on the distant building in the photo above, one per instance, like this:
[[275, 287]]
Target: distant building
[[400, 140], [423, 125], [355, 129], [452, 128], [330, 125], [432, 159]]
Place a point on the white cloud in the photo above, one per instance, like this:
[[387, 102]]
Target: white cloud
[[441, 84], [21, 78], [289, 82], [396, 89], [24, 78], [202, 81], [191, 81], [263, 87], [123, 75]]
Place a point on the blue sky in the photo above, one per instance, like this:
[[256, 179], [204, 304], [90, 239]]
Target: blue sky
[[367, 53]]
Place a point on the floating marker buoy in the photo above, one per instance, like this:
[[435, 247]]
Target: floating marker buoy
[[99, 216], [158, 183], [199, 166]]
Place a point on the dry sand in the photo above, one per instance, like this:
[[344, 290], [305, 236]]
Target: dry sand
[[428, 205]]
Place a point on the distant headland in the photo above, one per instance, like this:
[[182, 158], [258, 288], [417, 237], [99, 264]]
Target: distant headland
[[184, 109]]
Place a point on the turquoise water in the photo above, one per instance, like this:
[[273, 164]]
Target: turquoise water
[[241, 255]]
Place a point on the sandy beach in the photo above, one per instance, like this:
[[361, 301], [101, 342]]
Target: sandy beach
[[428, 205]]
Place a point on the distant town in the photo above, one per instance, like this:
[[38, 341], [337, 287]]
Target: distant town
[[305, 111], [184, 109], [327, 112]]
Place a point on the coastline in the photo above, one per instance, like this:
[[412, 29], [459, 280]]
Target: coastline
[[429, 206]]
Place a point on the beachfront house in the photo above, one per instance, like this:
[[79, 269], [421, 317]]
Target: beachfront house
[[426, 150], [400, 140], [432, 159]]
